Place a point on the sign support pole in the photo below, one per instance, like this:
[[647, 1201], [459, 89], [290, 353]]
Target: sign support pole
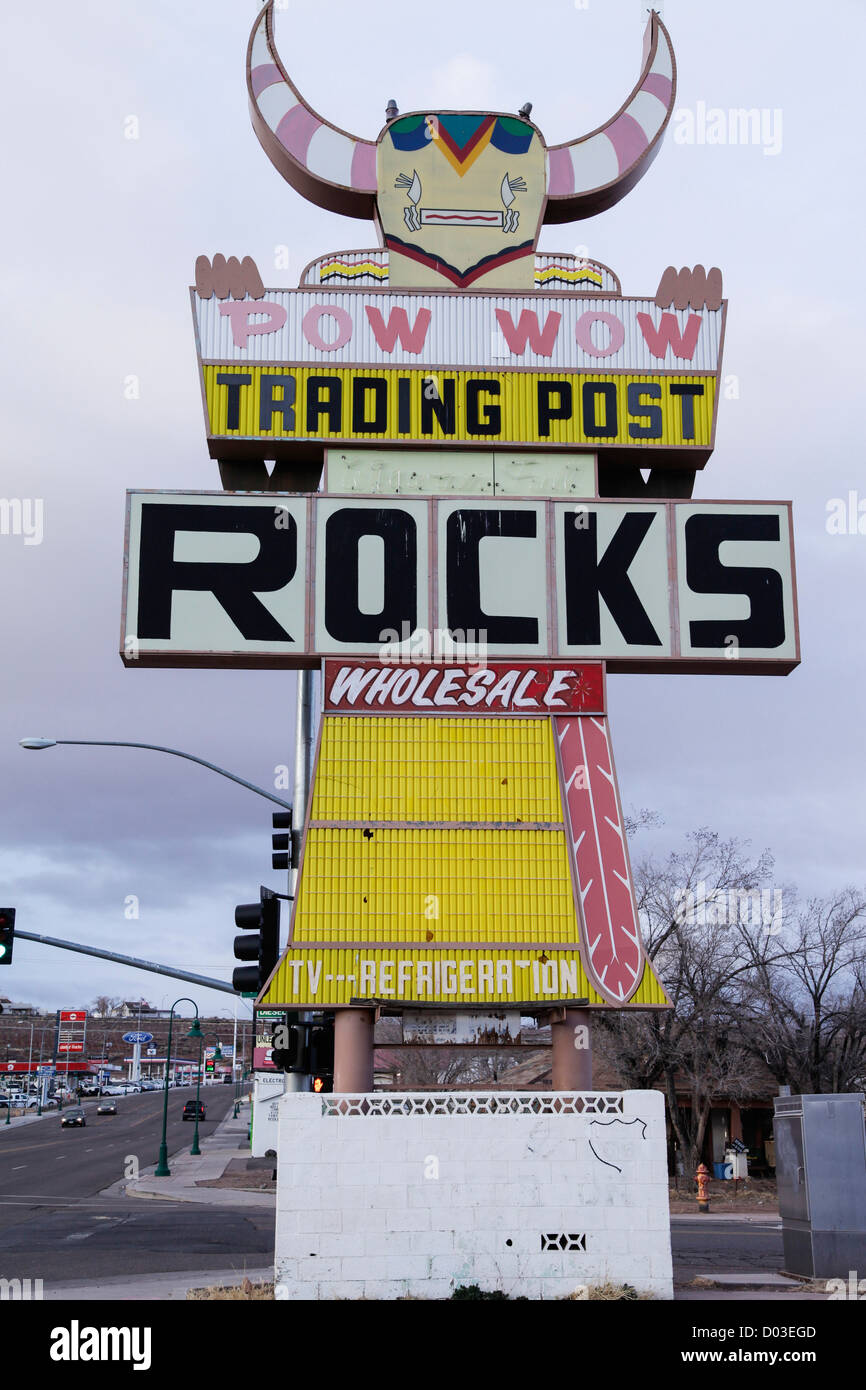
[[572, 1051], [353, 1050]]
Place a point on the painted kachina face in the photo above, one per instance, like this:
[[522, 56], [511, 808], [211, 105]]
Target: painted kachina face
[[459, 196], [469, 193]]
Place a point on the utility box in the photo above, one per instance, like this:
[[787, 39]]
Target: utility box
[[820, 1144]]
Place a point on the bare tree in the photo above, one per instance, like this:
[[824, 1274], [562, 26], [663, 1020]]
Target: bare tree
[[105, 1005], [698, 913], [807, 1021]]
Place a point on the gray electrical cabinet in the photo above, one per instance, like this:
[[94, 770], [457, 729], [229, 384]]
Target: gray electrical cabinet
[[821, 1175]]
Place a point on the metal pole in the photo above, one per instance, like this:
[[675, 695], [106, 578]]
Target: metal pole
[[204, 980], [175, 752], [54, 1057], [303, 765], [162, 1169], [303, 774], [195, 1150]]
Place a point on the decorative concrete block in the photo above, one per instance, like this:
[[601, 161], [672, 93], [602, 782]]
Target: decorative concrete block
[[429, 1190]]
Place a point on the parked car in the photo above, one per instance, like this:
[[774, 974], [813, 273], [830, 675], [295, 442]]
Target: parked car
[[89, 1088], [13, 1098], [113, 1090], [190, 1108], [107, 1107], [228, 1080], [74, 1117]]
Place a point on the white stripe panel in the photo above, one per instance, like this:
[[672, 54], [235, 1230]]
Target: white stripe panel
[[329, 154], [275, 101], [649, 113], [594, 162], [662, 61], [260, 52]]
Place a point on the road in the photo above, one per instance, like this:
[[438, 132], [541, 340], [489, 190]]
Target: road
[[747, 1244], [54, 1224]]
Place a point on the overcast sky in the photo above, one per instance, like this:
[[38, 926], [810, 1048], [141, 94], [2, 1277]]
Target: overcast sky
[[100, 236]]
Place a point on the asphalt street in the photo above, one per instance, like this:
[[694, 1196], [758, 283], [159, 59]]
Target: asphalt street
[[747, 1243], [55, 1225]]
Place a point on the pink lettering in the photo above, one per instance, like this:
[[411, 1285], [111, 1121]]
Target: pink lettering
[[668, 335], [313, 334], [583, 333], [386, 334], [241, 313], [527, 330]]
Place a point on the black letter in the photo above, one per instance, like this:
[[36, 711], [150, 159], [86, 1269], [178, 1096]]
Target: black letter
[[588, 580], [687, 394], [591, 390], [233, 585], [404, 405], [361, 387], [343, 530], [492, 422], [547, 412], [332, 407], [234, 381], [270, 405], [440, 406], [463, 533], [705, 574], [651, 413]]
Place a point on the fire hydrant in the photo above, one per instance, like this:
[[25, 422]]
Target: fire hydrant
[[703, 1177]]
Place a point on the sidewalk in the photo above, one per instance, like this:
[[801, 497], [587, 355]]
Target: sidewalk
[[162, 1288], [227, 1142], [750, 1287]]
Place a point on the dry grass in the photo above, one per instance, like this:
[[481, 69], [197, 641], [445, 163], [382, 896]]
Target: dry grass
[[606, 1293], [699, 1282], [245, 1290]]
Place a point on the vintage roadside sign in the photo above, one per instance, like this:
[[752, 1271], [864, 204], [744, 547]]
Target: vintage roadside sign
[[481, 504], [232, 579]]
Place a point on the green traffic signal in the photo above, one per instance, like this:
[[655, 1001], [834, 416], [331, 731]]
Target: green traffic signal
[[7, 934]]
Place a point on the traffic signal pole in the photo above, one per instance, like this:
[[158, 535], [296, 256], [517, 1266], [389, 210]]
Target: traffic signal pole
[[298, 1081], [204, 980]]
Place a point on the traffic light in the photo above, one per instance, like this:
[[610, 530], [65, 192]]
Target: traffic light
[[322, 1055], [7, 934], [282, 857], [290, 1047], [262, 919]]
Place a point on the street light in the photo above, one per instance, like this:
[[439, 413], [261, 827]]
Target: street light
[[38, 744], [162, 1169]]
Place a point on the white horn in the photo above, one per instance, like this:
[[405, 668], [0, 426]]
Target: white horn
[[588, 175], [328, 166]]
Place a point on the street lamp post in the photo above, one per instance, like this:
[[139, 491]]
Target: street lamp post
[[162, 1169], [37, 744]]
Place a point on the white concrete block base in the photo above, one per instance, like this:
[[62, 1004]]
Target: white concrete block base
[[530, 1193]]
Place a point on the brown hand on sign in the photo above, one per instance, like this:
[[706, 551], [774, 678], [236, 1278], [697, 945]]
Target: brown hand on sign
[[698, 288], [226, 278]]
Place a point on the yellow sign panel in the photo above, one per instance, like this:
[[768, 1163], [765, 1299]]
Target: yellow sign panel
[[346, 404], [469, 769], [326, 977], [437, 870]]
